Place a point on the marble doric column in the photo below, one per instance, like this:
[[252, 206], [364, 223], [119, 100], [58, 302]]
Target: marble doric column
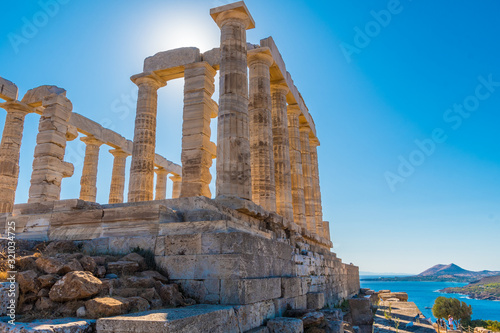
[[233, 144], [310, 203], [261, 129], [299, 209], [281, 147], [143, 154], [314, 143], [49, 167], [118, 176], [9, 153], [161, 184], [176, 186], [88, 182], [199, 108]]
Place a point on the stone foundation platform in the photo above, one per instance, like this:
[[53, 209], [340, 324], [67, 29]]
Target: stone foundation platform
[[228, 252]]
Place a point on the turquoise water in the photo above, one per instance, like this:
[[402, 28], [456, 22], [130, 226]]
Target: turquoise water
[[424, 294]]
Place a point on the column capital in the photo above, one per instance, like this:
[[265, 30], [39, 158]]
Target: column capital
[[150, 78], [260, 55], [162, 171], [175, 178], [293, 109], [91, 140], [279, 87], [118, 152], [304, 128], [16, 106], [236, 12], [313, 141]]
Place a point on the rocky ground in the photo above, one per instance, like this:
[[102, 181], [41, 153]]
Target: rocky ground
[[57, 280]]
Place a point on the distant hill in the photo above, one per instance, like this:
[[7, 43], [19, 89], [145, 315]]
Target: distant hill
[[487, 288], [449, 272]]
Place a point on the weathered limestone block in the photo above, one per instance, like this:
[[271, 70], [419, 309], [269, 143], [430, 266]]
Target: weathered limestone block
[[75, 285], [8, 90], [66, 325], [299, 209], [88, 181], [254, 315], [197, 318], [261, 134], [198, 109], [281, 148], [9, 149], [233, 144], [161, 184], [118, 176], [361, 311], [316, 300], [212, 57], [172, 59], [48, 166], [281, 305], [247, 291], [402, 296], [291, 287], [143, 153], [34, 97], [310, 203], [106, 307], [285, 325]]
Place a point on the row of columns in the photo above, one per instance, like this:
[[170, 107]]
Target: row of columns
[[265, 153]]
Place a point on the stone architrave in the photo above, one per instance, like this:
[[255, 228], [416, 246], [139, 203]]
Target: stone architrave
[[117, 186], [261, 129], [198, 110], [281, 147], [310, 203], [88, 181], [299, 209], [49, 167], [176, 186], [161, 184], [233, 143], [314, 143], [9, 153], [143, 153]]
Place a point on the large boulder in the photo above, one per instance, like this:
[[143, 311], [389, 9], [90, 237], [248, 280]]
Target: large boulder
[[169, 294], [88, 264], [47, 280], [106, 307], [74, 286], [49, 265], [28, 282], [71, 266]]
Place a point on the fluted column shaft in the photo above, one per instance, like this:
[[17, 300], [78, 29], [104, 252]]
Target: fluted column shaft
[[261, 130], [9, 154], [198, 110], [308, 179], [143, 154], [161, 184], [49, 167], [316, 188], [88, 182], [118, 176], [281, 147], [299, 209], [176, 186], [233, 144]]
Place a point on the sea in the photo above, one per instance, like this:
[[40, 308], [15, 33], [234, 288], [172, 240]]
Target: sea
[[425, 293]]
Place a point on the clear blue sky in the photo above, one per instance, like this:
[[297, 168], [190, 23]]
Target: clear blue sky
[[398, 84]]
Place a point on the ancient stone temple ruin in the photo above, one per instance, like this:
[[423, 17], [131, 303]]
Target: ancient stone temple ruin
[[260, 244]]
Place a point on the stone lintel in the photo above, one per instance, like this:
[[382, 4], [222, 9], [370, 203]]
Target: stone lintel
[[262, 54], [16, 106], [172, 62], [235, 9], [8, 90]]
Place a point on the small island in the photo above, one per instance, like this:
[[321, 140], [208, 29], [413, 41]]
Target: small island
[[487, 288]]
